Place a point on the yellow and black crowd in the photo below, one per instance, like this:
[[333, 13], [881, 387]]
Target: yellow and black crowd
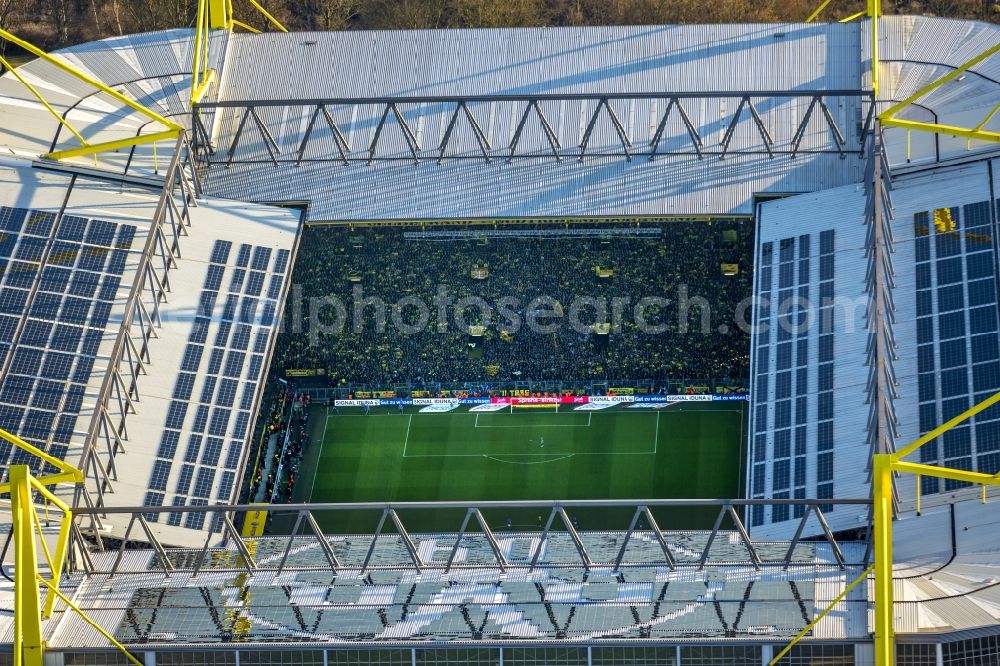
[[340, 269]]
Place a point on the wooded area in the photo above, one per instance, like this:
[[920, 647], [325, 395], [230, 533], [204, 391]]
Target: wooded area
[[55, 23]]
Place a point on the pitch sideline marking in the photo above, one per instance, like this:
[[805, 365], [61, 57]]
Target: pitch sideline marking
[[406, 440], [319, 455], [656, 435]]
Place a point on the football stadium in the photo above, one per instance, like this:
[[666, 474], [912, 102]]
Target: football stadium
[[666, 345]]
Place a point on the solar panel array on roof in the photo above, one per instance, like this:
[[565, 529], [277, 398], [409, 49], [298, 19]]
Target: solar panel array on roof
[[59, 278], [210, 424]]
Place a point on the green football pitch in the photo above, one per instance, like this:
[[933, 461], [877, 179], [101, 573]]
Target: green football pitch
[[684, 450]]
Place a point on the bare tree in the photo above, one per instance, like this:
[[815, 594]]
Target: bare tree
[[323, 14], [9, 18]]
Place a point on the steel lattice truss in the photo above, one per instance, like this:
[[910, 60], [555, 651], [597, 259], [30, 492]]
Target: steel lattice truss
[[119, 391], [772, 138], [558, 525]]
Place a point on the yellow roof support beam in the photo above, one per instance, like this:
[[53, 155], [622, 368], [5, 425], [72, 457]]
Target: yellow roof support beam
[[67, 473], [172, 131], [819, 10], [896, 108], [115, 145], [848, 19], [220, 15], [268, 16], [873, 10], [86, 78], [40, 98], [888, 117]]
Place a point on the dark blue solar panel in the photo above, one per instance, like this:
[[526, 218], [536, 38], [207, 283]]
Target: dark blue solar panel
[[84, 365], [220, 251], [168, 444], [274, 289], [94, 258], [256, 363], [46, 306], [39, 224], [199, 330], [7, 327], [240, 426], [109, 288], [227, 393], [37, 424], [267, 315], [212, 451], [175, 414], [36, 333], [55, 279], [48, 394], [57, 366], [192, 358], [21, 274], [184, 480], [66, 338], [100, 233], [30, 249], [260, 342], [12, 301], [241, 337], [184, 386], [222, 335], [12, 219], [84, 284], [244, 256], [246, 402], [226, 486], [71, 228], [26, 361], [74, 311], [234, 364], [236, 283], [255, 283], [91, 342], [213, 279], [16, 390], [116, 264], [203, 482], [206, 303], [229, 311], [261, 257], [233, 455], [7, 242], [281, 261], [63, 254], [64, 428], [208, 389], [101, 314], [201, 415], [126, 234], [158, 477], [74, 398], [220, 419], [193, 447], [248, 310]]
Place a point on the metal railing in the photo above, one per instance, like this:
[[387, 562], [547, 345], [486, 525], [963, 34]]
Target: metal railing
[[130, 354], [316, 113], [557, 525]]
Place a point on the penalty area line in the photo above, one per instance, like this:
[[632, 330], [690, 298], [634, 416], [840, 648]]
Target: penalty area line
[[532, 462]]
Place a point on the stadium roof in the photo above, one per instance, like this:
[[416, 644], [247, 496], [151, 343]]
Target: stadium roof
[[574, 67]]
